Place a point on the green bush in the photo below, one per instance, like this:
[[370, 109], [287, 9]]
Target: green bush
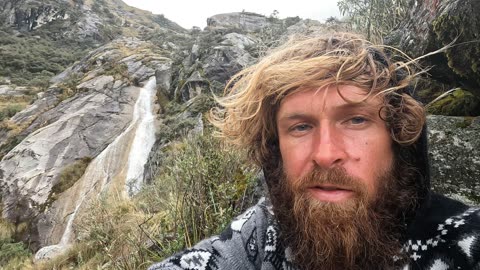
[[10, 111], [29, 60], [13, 255]]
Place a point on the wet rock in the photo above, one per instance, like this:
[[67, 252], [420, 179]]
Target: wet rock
[[77, 117]]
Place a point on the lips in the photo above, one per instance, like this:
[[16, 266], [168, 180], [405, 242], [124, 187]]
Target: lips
[[329, 188], [330, 193]]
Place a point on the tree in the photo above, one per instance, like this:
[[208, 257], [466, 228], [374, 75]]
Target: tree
[[376, 18]]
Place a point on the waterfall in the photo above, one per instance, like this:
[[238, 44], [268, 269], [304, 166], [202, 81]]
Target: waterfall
[[143, 140], [129, 150]]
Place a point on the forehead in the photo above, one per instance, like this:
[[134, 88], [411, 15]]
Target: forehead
[[330, 98]]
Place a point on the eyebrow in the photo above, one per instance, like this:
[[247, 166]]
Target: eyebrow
[[294, 115]]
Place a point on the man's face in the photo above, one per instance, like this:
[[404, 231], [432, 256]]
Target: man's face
[[338, 181], [318, 129]]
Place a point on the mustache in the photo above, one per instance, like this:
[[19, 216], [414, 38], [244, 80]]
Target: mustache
[[336, 176]]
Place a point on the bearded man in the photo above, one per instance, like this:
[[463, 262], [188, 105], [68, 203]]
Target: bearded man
[[342, 144]]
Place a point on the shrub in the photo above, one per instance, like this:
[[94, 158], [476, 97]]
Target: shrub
[[13, 255], [9, 111], [202, 187], [28, 60], [70, 175]]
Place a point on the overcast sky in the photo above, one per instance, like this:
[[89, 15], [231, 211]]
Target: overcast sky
[[188, 13]]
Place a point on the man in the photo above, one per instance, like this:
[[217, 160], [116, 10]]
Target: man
[[342, 144]]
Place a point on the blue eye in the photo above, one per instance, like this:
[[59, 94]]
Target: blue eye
[[358, 120], [301, 127]]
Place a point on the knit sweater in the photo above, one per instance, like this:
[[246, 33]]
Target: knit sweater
[[444, 235]]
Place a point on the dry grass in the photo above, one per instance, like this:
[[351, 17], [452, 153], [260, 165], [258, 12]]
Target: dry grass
[[202, 186]]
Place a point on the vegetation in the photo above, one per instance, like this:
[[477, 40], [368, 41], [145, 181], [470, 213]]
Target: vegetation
[[31, 60], [375, 18], [202, 186], [12, 139], [176, 120], [9, 110], [458, 103], [210, 185], [69, 176], [13, 255]]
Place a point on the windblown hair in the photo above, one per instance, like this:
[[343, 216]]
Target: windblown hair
[[252, 97]]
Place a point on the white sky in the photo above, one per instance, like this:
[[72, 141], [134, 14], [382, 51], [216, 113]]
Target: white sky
[[188, 13]]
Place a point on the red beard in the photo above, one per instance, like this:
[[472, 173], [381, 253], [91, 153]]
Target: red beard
[[361, 233]]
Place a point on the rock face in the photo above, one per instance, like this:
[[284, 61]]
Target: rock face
[[455, 156], [229, 57], [432, 25], [435, 24], [245, 21], [81, 126], [100, 20]]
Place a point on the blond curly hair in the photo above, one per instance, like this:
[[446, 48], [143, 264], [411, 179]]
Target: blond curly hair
[[246, 116]]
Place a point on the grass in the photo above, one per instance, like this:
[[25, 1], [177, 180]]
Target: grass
[[13, 255], [9, 110], [207, 185], [69, 176], [201, 187]]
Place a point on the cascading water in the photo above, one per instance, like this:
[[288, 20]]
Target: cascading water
[[129, 150], [143, 140]]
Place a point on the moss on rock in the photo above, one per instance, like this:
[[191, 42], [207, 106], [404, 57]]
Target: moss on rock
[[459, 103]]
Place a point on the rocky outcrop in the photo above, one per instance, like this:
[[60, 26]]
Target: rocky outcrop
[[228, 57], [455, 156], [246, 21], [100, 20], [13, 91], [433, 25], [70, 125]]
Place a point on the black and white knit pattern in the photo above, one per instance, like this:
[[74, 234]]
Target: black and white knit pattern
[[441, 241], [455, 245]]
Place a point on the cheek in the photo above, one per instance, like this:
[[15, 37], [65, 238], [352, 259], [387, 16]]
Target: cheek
[[371, 156], [294, 158]]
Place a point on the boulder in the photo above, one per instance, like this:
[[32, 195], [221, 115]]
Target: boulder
[[432, 25], [79, 127], [13, 91], [455, 156], [229, 57]]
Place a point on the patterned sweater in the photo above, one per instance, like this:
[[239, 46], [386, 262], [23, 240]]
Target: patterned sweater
[[445, 235]]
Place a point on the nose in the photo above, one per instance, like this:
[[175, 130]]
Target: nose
[[328, 147]]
